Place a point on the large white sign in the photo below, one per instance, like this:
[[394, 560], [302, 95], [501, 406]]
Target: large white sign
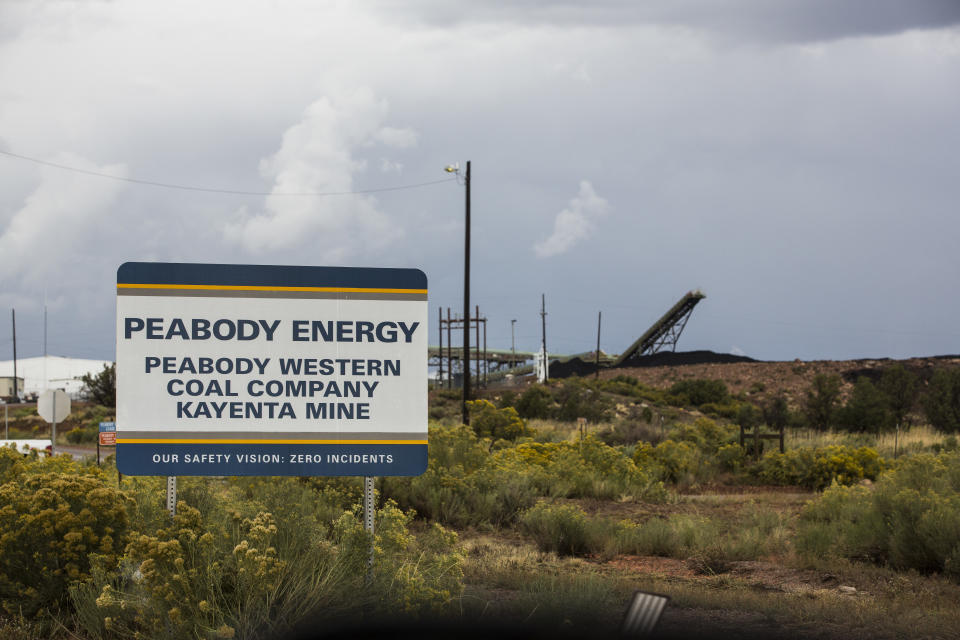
[[270, 370]]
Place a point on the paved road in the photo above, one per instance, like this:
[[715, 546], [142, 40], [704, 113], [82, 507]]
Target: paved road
[[81, 452]]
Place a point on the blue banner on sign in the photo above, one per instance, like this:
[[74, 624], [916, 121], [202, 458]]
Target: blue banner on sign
[[108, 426], [271, 459]]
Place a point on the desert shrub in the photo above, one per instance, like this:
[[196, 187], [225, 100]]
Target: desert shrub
[[820, 401], [488, 421], [731, 456], [866, 410], [729, 410], [674, 460], [900, 387], [942, 400], [706, 434], [12, 463], [588, 468], [414, 575], [507, 399], [462, 487], [818, 468], [629, 431], [535, 402], [577, 399], [563, 529], [81, 434], [700, 391], [223, 574], [445, 405], [776, 413], [690, 454], [749, 416], [910, 519], [50, 524]]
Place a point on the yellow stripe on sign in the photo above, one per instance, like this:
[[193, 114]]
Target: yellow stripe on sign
[[219, 287], [243, 441]]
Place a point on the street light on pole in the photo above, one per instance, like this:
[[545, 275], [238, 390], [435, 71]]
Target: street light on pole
[[466, 287], [513, 345]]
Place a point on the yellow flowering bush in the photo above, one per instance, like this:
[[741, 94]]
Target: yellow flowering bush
[[488, 421], [820, 467], [50, 525]]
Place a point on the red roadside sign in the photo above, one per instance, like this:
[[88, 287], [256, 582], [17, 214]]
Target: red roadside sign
[[108, 438]]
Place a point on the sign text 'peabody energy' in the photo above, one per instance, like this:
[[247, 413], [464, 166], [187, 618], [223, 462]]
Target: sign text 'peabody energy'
[[270, 370]]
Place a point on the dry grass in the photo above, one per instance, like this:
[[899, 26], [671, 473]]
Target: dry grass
[[513, 579], [915, 439]]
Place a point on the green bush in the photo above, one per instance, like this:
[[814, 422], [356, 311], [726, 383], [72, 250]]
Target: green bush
[[563, 529], [535, 403], [867, 409], [577, 399], [909, 520], [820, 401], [79, 435], [699, 391], [942, 400], [818, 468]]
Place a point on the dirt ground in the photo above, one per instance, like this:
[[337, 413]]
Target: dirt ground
[[762, 380]]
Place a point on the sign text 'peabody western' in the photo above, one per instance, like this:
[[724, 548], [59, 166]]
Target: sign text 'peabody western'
[[269, 370]]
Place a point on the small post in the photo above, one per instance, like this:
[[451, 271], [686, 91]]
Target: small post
[[368, 522], [782, 448], [98, 449], [53, 428], [171, 495]]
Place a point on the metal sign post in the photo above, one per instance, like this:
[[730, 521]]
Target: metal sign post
[[53, 405], [368, 513], [107, 436], [172, 495]]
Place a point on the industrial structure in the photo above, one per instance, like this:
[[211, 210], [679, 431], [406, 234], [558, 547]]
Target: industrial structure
[[665, 331], [489, 365]]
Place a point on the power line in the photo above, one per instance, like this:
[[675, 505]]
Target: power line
[[181, 187]]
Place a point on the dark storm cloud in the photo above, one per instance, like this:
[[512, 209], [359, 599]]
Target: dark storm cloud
[[753, 20]]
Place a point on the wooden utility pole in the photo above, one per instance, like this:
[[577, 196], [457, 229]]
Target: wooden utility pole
[[16, 389], [466, 300], [599, 316]]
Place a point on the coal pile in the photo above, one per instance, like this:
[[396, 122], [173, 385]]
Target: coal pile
[[580, 367], [572, 367], [674, 358]]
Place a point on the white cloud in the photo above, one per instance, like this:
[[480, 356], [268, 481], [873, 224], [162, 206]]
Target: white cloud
[[400, 138], [574, 223], [63, 213], [319, 155]]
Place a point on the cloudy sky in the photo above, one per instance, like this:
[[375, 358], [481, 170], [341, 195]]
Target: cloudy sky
[[797, 160]]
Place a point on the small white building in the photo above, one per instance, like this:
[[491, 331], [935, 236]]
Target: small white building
[[51, 372], [6, 387]]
